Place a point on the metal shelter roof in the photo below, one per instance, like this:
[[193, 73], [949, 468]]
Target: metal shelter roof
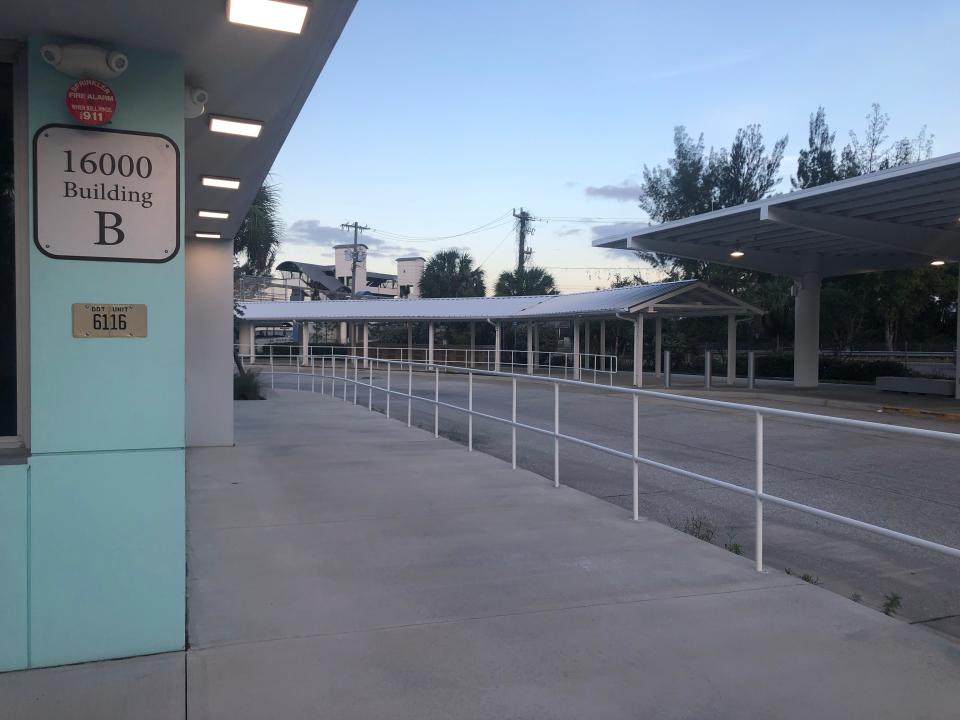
[[322, 275], [688, 298], [903, 217]]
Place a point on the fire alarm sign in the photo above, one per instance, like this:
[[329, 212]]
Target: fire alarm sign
[[91, 102]]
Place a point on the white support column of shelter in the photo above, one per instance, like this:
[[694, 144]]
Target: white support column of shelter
[[304, 343], [586, 337], [638, 351], [409, 341], [806, 336], [430, 343], [956, 376], [473, 344], [497, 344], [658, 346], [366, 344], [245, 338], [529, 347], [343, 332], [576, 349], [603, 337], [731, 349]]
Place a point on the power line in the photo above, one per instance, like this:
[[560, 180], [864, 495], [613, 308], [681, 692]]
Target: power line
[[496, 247], [490, 225]]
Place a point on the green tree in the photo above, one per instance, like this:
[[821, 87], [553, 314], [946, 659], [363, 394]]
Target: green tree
[[696, 181], [532, 280], [888, 301], [258, 238], [450, 273]]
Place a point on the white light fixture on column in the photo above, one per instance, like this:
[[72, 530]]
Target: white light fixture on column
[[737, 254], [213, 214], [938, 263]]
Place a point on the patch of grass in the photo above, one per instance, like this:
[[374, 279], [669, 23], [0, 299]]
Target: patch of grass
[[696, 524], [246, 385], [891, 603], [856, 597], [807, 577]]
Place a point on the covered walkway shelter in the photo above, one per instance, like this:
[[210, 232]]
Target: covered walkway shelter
[[904, 217], [689, 298]]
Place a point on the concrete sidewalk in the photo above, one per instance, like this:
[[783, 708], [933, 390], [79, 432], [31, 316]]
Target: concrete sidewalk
[[344, 566]]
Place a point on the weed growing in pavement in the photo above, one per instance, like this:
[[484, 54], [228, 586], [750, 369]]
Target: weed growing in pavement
[[731, 544], [696, 524], [891, 603], [856, 597]]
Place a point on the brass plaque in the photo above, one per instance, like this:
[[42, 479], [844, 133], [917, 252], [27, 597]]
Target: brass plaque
[[109, 320]]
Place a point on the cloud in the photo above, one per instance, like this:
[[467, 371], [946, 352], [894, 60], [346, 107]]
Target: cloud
[[314, 234], [626, 191], [570, 231]]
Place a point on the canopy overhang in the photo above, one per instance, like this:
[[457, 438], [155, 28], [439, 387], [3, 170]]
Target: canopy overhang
[[690, 298], [248, 72], [904, 217]]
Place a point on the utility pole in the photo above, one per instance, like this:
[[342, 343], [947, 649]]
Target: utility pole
[[523, 229], [355, 253]]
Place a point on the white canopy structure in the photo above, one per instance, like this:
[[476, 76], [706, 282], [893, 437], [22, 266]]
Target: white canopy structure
[[673, 299], [904, 217]]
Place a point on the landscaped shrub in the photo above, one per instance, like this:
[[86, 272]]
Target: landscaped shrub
[[246, 385]]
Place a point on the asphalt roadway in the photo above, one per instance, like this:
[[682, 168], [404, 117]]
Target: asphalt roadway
[[904, 483]]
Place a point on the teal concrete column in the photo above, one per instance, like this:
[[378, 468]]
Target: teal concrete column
[[106, 477]]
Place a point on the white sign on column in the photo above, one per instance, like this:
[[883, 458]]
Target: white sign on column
[[104, 194]]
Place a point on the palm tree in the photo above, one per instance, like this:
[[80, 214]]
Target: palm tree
[[258, 237], [450, 273], [529, 281]]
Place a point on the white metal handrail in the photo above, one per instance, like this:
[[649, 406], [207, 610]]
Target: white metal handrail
[[760, 497], [592, 366]]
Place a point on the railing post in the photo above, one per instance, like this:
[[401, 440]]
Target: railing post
[[323, 375], [271, 368], [369, 384], [409, 392], [759, 495], [513, 427], [356, 378], [313, 374], [298, 376], [470, 413], [751, 369], [666, 368], [556, 434], [389, 365], [346, 366], [636, 457], [707, 369], [436, 402]]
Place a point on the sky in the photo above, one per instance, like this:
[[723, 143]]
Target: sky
[[434, 118]]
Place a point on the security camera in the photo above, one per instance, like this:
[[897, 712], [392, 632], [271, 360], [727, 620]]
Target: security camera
[[194, 101], [85, 61]]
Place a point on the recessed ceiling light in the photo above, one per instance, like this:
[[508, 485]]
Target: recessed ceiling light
[[235, 126], [737, 254], [213, 214], [938, 263], [207, 236], [220, 182], [268, 14]]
